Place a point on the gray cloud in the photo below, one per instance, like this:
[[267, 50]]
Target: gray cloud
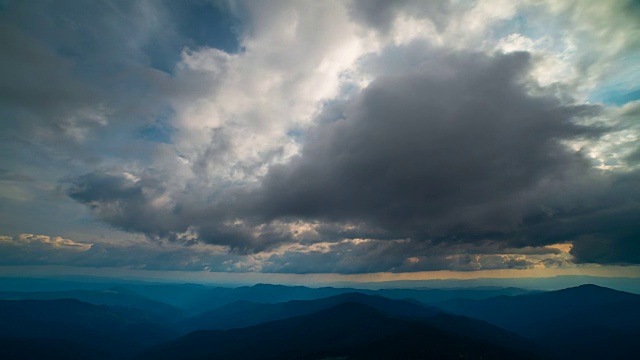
[[6, 175], [455, 147], [603, 224], [346, 257], [359, 256], [143, 205], [457, 155], [127, 203], [380, 14], [448, 159], [30, 249]]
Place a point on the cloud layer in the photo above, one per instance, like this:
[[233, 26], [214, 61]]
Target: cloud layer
[[324, 137]]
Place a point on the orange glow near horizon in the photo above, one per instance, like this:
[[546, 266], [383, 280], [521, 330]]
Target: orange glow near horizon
[[302, 279]]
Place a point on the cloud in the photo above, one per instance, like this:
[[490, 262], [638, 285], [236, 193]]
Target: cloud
[[448, 148], [345, 136], [37, 240], [455, 146], [359, 255], [603, 224], [38, 87], [28, 249], [458, 155], [6, 175], [381, 15], [345, 257]]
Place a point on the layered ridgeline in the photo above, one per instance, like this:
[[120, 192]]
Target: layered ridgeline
[[119, 321], [115, 296], [196, 298]]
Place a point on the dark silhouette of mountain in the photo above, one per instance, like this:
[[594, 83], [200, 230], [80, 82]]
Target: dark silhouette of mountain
[[348, 330], [117, 296], [601, 332], [586, 322], [242, 314], [110, 332], [245, 313]]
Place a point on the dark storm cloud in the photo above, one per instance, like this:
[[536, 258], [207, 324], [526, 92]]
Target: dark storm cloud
[[126, 203], [459, 149], [141, 206], [603, 224]]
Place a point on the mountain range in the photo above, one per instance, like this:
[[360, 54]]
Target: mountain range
[[586, 322], [157, 321], [350, 330]]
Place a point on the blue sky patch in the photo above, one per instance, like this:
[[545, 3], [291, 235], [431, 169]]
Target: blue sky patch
[[160, 131]]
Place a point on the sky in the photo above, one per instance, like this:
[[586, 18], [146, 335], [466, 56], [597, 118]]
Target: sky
[[399, 139]]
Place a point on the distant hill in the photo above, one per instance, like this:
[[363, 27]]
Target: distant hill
[[116, 296], [106, 332], [202, 299], [586, 322], [349, 330], [430, 296], [245, 313], [533, 283], [196, 298]]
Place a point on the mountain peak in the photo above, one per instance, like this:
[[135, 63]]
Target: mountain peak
[[593, 288]]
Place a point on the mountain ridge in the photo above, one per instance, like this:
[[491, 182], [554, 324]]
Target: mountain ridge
[[348, 329]]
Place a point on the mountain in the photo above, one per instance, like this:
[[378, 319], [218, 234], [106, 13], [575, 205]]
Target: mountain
[[586, 322], [197, 298], [430, 296], [105, 332], [628, 284], [245, 313], [202, 299], [116, 296], [516, 312], [346, 331], [263, 293]]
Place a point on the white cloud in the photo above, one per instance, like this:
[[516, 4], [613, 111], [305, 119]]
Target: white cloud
[[57, 242], [238, 126]]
